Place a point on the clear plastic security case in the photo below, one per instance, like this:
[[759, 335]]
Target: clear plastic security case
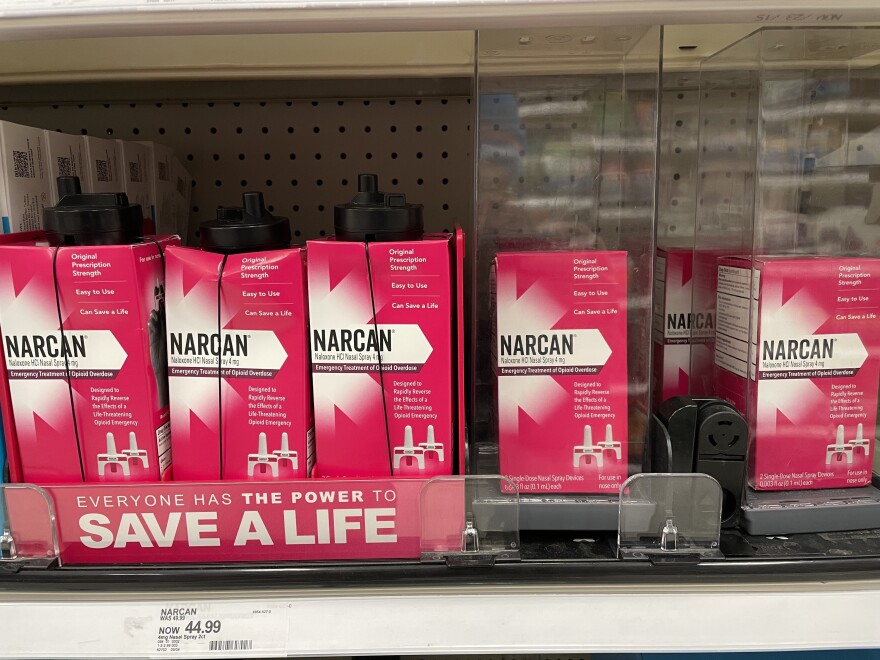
[[566, 162], [787, 178]]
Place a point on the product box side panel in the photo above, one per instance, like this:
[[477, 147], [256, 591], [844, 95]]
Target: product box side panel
[[192, 300], [66, 157], [224, 522], [414, 301], [136, 174], [264, 344], [461, 361], [25, 189], [102, 165], [562, 370]]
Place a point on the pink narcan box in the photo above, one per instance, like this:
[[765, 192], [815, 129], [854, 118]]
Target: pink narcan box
[[383, 341], [559, 326], [684, 321], [798, 352], [262, 428], [111, 300]]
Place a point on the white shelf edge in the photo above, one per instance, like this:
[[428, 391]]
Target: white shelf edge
[[26, 19], [458, 620]]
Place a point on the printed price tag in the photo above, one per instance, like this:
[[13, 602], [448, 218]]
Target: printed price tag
[[226, 628]]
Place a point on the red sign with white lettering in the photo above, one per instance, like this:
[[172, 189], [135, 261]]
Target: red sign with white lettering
[[313, 519]]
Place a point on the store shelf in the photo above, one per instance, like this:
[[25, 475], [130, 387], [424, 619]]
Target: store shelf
[[458, 619], [28, 19]]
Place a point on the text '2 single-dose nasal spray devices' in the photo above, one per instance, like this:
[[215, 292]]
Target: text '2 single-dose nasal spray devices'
[[560, 369], [382, 302], [238, 350], [83, 325]]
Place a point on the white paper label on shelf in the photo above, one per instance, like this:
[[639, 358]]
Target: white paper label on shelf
[[233, 629]]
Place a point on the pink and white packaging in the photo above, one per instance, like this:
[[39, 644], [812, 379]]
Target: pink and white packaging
[[102, 171], [383, 343], [560, 364], [798, 352], [111, 392], [684, 322], [262, 428]]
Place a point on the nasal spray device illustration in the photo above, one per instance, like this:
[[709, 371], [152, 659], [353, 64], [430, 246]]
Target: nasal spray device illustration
[[381, 304], [238, 349], [83, 334]]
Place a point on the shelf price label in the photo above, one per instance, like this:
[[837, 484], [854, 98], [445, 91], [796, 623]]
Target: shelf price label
[[230, 628]]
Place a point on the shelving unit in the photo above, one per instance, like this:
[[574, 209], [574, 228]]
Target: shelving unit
[[174, 71]]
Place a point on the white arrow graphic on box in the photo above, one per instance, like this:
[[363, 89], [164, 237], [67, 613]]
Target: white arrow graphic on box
[[408, 344]]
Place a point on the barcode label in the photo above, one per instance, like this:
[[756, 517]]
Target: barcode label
[[180, 186], [65, 166], [23, 168], [134, 172], [102, 169], [231, 645], [163, 171]]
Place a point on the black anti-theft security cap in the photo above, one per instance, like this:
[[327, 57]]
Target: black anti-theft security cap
[[250, 228], [373, 216], [93, 218]]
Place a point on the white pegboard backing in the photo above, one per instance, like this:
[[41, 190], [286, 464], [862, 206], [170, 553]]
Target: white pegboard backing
[[303, 155], [677, 160]]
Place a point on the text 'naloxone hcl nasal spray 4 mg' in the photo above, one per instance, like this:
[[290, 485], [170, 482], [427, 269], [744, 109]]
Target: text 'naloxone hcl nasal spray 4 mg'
[[382, 309], [82, 319], [560, 366], [798, 353], [238, 350]]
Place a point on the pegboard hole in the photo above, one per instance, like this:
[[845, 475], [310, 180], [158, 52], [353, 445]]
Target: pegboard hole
[[267, 156], [444, 128], [445, 154], [322, 233], [318, 156], [262, 104], [678, 150], [241, 156], [239, 130], [676, 176], [445, 208], [393, 182], [445, 182], [368, 156], [418, 129], [296, 208], [195, 209], [344, 182], [294, 182], [213, 130], [297, 232], [190, 157], [419, 181], [319, 182], [135, 131], [83, 131], [218, 183], [343, 156], [342, 129], [269, 183], [674, 202], [292, 156], [320, 207], [418, 101], [679, 123], [419, 154], [109, 131], [393, 155], [340, 103], [244, 183], [265, 130], [392, 102], [446, 101], [393, 129], [860, 147], [367, 129], [161, 131], [316, 129], [290, 129], [216, 156]]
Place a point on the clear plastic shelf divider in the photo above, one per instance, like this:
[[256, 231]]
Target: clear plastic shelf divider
[[28, 531], [469, 520], [669, 515]]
